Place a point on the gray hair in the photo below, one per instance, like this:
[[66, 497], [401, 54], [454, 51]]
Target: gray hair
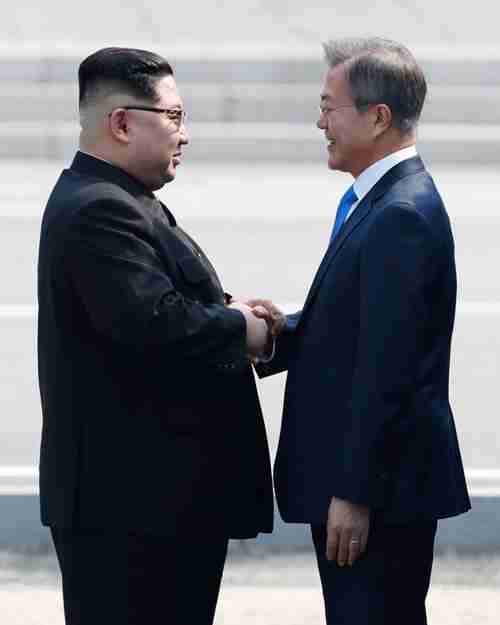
[[380, 71]]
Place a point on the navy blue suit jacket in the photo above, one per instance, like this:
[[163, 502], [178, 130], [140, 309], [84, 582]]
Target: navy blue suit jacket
[[366, 412]]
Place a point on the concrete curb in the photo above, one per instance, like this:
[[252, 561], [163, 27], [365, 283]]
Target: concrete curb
[[478, 531]]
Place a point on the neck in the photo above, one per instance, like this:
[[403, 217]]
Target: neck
[[100, 150], [381, 151]]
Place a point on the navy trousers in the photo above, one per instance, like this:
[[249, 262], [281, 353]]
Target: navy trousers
[[138, 579], [387, 585]]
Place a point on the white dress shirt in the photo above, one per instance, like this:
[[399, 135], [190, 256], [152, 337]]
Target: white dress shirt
[[368, 178]]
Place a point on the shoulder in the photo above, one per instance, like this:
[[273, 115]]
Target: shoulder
[[416, 190], [87, 190], [398, 213], [399, 229], [414, 203], [90, 199]]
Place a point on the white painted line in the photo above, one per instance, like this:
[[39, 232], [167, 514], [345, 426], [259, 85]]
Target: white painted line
[[483, 482], [18, 471], [9, 313], [18, 481], [19, 491], [23, 480]]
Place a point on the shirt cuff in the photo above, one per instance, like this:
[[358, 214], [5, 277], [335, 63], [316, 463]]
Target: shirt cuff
[[263, 360]]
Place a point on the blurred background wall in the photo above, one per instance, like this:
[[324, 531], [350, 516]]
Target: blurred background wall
[[254, 187]]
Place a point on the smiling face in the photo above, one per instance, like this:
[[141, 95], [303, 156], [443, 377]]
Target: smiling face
[[156, 139], [350, 133]]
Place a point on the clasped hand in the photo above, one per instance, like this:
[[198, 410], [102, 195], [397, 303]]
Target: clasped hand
[[264, 322]]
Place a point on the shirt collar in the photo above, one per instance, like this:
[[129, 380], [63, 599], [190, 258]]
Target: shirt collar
[[98, 158], [368, 178]]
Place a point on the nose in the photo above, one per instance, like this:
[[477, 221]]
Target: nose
[[321, 124], [183, 137]]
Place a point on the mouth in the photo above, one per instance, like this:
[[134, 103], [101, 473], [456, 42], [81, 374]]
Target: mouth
[[331, 143], [176, 159]]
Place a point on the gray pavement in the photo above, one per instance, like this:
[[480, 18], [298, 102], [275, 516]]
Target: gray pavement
[[264, 588]]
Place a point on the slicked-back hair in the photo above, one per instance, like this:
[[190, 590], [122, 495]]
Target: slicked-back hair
[[381, 71], [126, 70]]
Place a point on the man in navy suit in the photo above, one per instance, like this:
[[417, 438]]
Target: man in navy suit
[[368, 452]]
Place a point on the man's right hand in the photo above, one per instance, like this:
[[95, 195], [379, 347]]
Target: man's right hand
[[258, 337], [266, 309]]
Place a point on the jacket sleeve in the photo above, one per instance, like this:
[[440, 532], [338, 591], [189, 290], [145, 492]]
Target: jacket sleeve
[[398, 262], [119, 277]]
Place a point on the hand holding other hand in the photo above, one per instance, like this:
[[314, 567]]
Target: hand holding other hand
[[258, 336], [267, 310]]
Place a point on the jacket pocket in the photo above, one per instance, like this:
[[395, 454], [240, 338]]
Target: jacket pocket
[[192, 270]]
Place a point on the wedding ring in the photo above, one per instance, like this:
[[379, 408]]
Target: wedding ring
[[354, 541]]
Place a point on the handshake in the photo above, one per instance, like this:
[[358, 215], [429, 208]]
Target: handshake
[[264, 321]]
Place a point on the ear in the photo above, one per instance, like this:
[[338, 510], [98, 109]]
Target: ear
[[382, 116], [118, 125]]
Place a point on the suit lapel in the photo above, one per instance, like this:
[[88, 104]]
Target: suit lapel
[[405, 168], [356, 218]]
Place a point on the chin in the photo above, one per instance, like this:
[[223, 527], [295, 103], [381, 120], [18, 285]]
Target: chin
[[167, 177], [332, 164]]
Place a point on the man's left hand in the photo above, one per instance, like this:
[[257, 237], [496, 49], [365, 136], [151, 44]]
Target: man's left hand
[[347, 531]]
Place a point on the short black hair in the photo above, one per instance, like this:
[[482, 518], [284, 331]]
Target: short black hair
[[132, 70]]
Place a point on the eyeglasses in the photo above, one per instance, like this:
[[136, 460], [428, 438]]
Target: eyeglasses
[[178, 116]]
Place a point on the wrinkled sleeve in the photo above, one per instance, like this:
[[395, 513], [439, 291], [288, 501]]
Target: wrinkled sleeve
[[119, 277]]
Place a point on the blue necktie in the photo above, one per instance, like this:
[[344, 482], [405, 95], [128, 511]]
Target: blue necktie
[[345, 204]]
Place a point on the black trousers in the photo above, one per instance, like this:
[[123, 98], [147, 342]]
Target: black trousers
[[134, 579], [387, 585]]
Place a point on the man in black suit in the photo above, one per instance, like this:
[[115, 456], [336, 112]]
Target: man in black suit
[[368, 453], [153, 450]]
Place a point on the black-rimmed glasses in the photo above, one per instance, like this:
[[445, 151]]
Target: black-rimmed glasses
[[178, 116]]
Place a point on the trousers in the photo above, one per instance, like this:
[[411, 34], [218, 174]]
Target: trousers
[[388, 585], [113, 578]]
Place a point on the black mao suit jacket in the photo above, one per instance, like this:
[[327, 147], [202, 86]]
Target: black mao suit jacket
[[366, 413], [151, 419]]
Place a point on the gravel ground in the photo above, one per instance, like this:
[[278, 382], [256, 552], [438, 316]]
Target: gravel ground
[[264, 588]]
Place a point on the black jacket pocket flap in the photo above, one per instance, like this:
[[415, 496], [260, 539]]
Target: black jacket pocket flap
[[192, 270]]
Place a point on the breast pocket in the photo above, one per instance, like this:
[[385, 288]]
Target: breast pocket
[[197, 280], [192, 270]]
